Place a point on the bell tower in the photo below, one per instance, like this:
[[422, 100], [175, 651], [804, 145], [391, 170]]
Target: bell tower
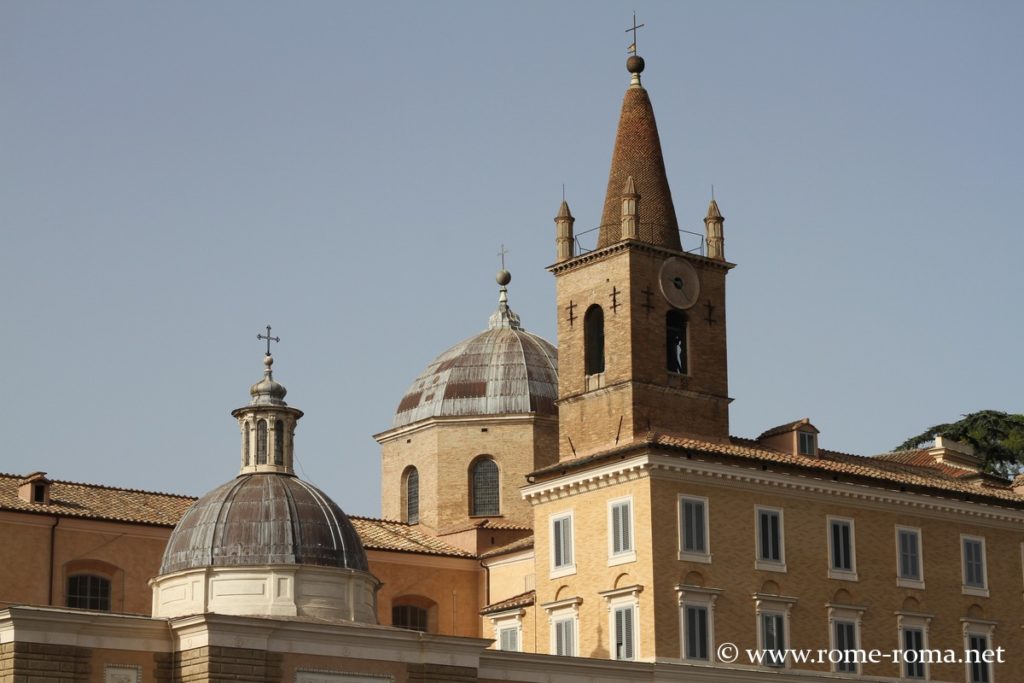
[[641, 322]]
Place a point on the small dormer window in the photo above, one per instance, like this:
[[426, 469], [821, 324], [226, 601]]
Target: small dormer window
[[806, 443], [35, 488]]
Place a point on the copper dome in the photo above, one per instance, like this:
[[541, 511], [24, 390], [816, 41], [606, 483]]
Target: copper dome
[[260, 519], [502, 370]]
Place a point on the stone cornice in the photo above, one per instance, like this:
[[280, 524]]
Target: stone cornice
[[648, 464], [359, 641], [457, 420], [82, 628], [632, 245], [608, 388]]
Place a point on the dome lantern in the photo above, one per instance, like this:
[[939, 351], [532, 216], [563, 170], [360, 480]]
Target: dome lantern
[[268, 423], [266, 543]]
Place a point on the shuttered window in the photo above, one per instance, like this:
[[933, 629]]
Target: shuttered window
[[773, 638], [769, 535], [508, 639], [841, 540], [565, 637], [696, 632], [974, 562], [977, 645], [910, 554], [561, 542], [913, 641], [845, 643], [622, 527], [692, 513], [624, 630]]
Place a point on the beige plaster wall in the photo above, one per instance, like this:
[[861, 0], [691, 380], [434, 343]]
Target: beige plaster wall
[[449, 588]]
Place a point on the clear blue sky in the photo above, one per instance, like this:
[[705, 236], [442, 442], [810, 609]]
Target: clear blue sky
[[177, 175]]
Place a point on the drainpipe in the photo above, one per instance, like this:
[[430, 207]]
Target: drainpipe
[[53, 560]]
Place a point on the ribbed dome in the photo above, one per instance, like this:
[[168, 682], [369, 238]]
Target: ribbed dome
[[264, 518], [500, 371]]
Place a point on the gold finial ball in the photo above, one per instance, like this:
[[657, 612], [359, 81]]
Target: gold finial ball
[[268, 360], [635, 64], [503, 278]]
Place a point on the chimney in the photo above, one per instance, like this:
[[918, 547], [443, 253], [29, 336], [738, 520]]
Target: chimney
[[955, 453]]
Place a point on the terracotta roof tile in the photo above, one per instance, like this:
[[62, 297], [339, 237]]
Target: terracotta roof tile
[[788, 427], [92, 501], [884, 471], [497, 525], [384, 534], [521, 544], [521, 600]]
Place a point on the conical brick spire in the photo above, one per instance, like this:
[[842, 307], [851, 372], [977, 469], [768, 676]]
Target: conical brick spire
[[637, 153]]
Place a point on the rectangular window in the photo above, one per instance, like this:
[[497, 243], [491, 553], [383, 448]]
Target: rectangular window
[[624, 628], [773, 639], [508, 639], [696, 633], [565, 637], [622, 527], [908, 542], [562, 561], [806, 443], [845, 643], [769, 538], [977, 645], [693, 516], [913, 641], [974, 562], [841, 544]]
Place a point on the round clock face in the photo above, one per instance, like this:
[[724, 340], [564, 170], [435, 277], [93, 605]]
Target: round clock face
[[680, 284]]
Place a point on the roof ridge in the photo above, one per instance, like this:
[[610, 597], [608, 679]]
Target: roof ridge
[[107, 487]]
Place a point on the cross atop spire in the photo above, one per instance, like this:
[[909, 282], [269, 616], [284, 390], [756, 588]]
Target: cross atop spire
[[269, 339], [632, 48], [502, 255]]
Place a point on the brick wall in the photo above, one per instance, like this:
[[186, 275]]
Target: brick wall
[[637, 393]]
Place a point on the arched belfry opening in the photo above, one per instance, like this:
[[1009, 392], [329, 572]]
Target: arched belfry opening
[[676, 351], [593, 340]]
